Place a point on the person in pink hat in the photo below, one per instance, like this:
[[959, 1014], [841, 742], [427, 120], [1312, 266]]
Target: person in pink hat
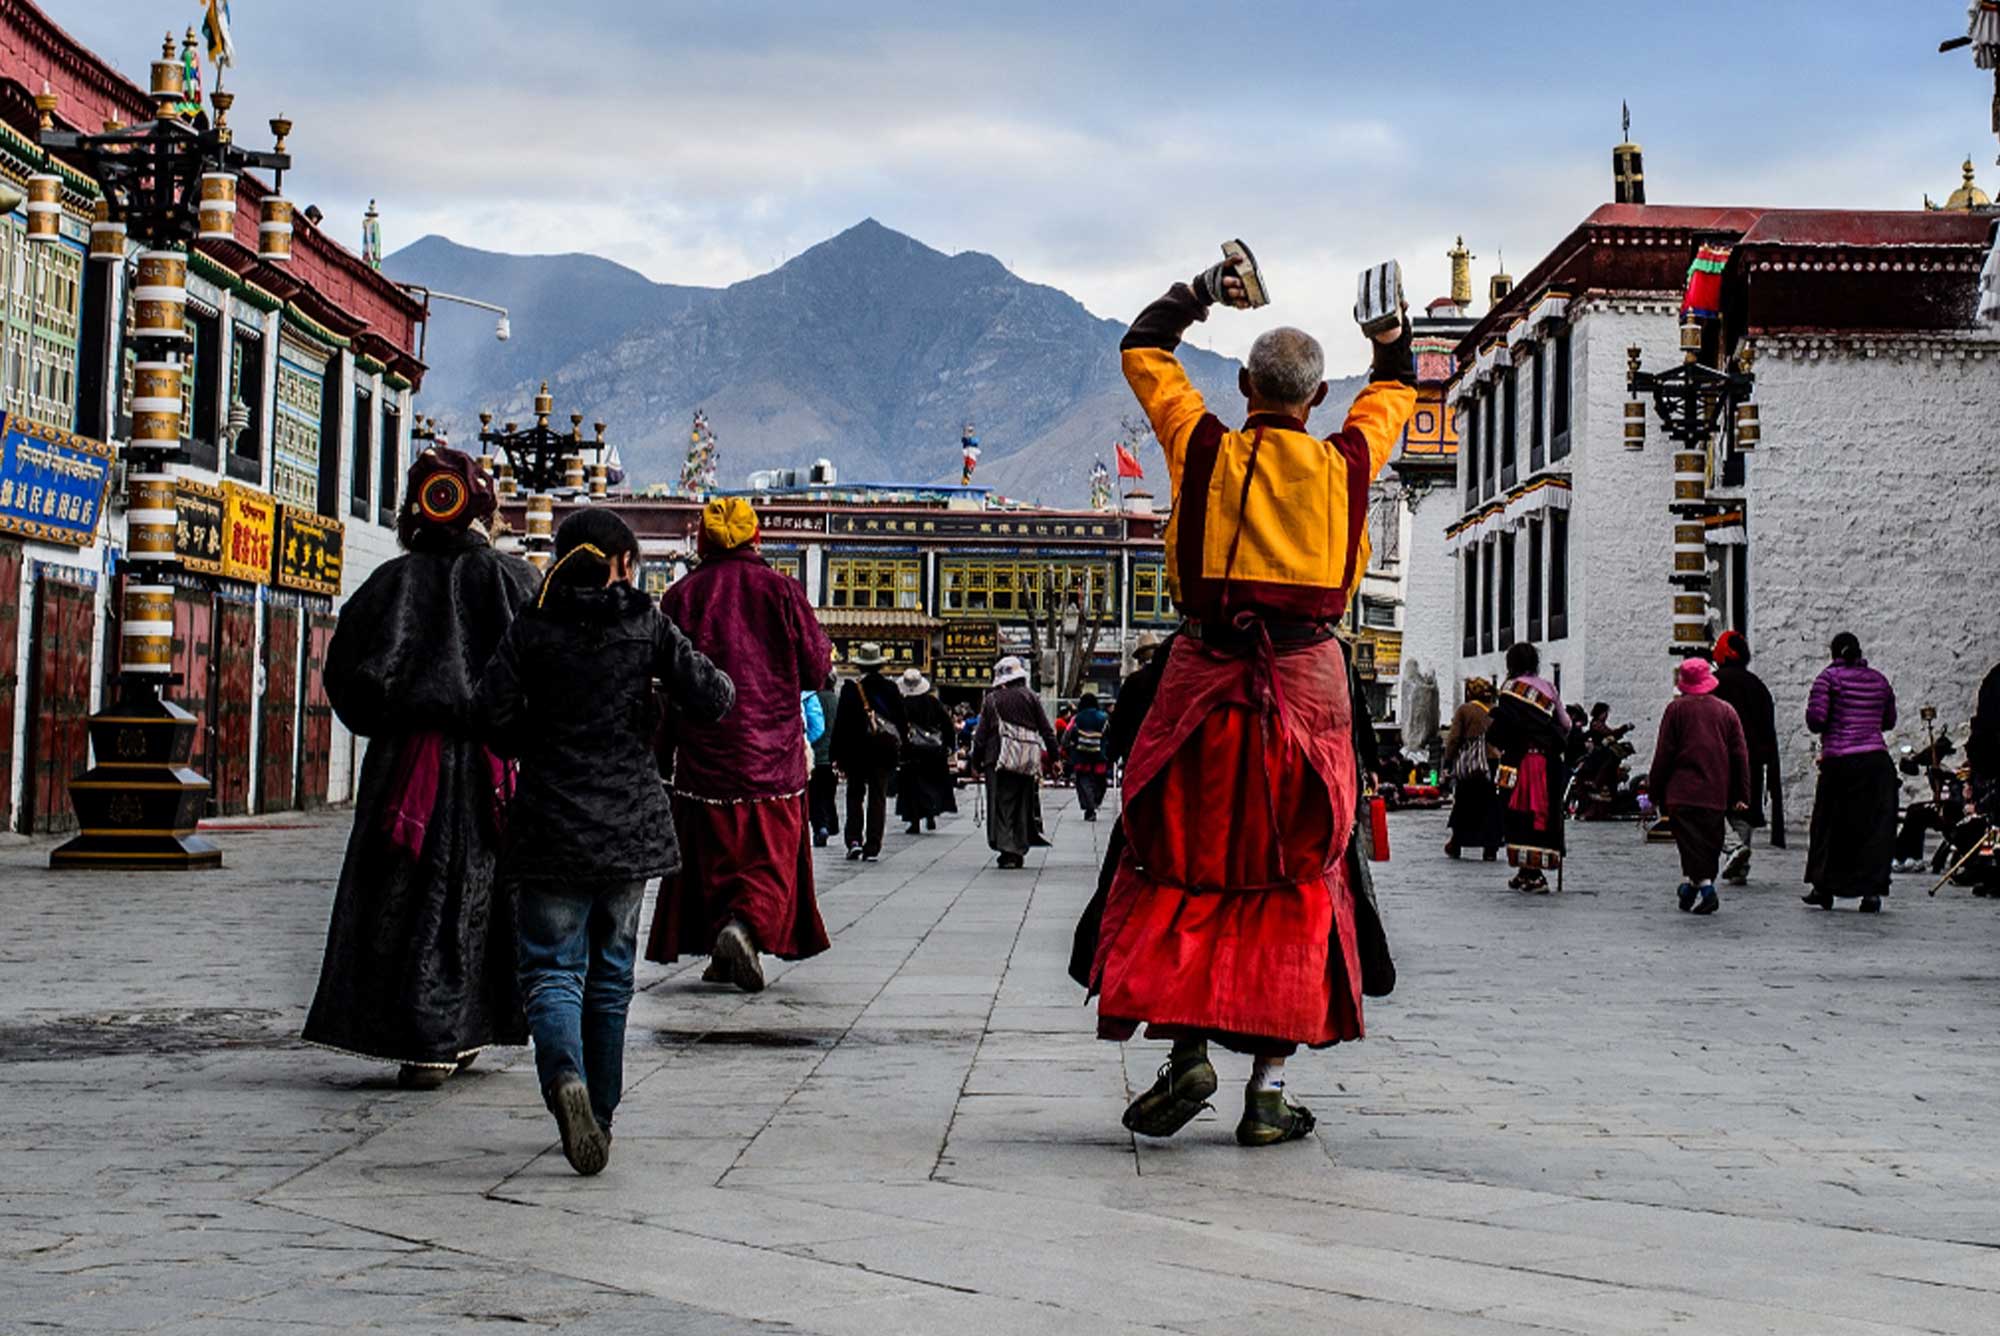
[[1701, 773]]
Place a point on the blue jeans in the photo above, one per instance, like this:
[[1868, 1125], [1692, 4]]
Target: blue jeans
[[576, 983]]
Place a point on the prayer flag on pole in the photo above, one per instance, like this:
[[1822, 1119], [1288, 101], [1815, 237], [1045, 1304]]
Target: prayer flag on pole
[[968, 444], [1128, 463], [215, 29]]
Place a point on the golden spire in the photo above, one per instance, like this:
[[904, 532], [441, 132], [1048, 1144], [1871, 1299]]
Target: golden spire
[[1461, 275], [1628, 164], [1968, 196]]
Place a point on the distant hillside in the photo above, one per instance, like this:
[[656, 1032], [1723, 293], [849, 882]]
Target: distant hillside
[[871, 349]]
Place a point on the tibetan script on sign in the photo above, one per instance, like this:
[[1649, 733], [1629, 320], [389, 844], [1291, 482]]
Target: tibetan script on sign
[[249, 521], [51, 482], [198, 526], [309, 551]]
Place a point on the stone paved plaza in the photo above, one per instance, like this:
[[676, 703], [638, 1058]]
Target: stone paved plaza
[[1586, 1113]]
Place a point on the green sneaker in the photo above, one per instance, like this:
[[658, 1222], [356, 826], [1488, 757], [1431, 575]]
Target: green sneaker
[[1269, 1119], [1172, 1102]]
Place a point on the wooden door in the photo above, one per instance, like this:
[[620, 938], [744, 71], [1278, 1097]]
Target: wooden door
[[235, 689], [65, 626], [316, 742], [277, 781], [10, 625], [194, 664]]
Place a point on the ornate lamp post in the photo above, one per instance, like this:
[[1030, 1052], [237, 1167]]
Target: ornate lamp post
[[1692, 401], [166, 183], [544, 461]]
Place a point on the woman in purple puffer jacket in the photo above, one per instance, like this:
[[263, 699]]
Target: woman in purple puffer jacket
[[1854, 806]]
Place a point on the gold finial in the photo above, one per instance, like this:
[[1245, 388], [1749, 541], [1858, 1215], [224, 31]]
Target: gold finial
[[1968, 196], [46, 103], [280, 127], [112, 125], [485, 421], [1500, 284], [600, 432], [512, 427], [576, 426], [544, 405], [223, 102], [1461, 274], [1746, 354], [1631, 363], [167, 46]]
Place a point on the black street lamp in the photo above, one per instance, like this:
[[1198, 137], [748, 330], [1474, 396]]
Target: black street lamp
[[1693, 401], [544, 461], [166, 183]]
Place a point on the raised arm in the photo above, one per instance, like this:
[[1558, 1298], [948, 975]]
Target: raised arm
[[1169, 398], [1383, 408]]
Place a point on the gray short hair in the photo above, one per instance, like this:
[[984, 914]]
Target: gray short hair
[[1286, 365]]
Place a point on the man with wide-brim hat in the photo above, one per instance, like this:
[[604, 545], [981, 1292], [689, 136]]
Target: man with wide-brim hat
[[1014, 734], [867, 743], [745, 887]]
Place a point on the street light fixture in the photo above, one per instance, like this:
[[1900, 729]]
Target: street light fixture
[[502, 330], [165, 184]]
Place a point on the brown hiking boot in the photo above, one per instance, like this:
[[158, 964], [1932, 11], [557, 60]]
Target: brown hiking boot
[[1269, 1119], [1171, 1103]]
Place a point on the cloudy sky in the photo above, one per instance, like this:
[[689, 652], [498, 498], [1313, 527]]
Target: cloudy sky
[[1104, 148]]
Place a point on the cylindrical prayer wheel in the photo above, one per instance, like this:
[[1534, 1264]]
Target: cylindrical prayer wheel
[[1690, 619], [541, 520], [503, 479], [274, 230], [1690, 477], [107, 239], [146, 631], [168, 83], [150, 515], [1690, 549], [156, 402], [218, 206], [44, 207], [573, 471], [159, 295], [1635, 425], [486, 466], [600, 480], [1748, 429]]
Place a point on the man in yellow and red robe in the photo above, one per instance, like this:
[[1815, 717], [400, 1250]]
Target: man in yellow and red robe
[[1232, 916]]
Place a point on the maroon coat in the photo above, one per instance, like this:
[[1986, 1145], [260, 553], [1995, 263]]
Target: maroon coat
[[756, 625], [1701, 758]]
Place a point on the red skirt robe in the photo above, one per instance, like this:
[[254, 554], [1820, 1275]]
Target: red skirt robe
[[1230, 913], [750, 860]]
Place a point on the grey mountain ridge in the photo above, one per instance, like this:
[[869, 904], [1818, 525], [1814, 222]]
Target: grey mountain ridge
[[870, 349]]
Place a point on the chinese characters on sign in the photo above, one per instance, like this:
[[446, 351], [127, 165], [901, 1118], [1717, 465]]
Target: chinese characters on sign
[[198, 526], [51, 482], [966, 659], [248, 524], [309, 551]]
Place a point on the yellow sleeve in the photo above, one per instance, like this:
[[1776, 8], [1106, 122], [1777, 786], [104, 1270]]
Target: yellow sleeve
[[1171, 402], [1380, 413]]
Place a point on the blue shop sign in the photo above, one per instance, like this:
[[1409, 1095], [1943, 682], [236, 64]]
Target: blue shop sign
[[51, 481]]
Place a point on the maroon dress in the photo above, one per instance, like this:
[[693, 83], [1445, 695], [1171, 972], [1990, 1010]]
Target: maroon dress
[[739, 786]]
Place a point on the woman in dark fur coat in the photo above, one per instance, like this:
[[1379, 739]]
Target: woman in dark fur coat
[[420, 956]]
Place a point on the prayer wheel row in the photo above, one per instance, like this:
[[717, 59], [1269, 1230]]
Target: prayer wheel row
[[159, 296]]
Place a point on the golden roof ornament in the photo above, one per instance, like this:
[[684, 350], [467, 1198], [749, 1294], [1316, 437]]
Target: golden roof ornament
[[46, 103], [1461, 275], [223, 102], [280, 127], [1968, 196], [544, 405], [1500, 284]]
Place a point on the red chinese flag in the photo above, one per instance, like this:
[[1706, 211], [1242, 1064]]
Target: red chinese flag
[[1128, 463]]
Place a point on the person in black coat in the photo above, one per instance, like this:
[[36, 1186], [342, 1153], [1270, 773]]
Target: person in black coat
[[1751, 699], [924, 787], [419, 965], [867, 740], [570, 692]]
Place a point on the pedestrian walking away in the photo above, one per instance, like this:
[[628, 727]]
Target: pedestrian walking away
[[924, 787], [1746, 693], [570, 693], [1853, 835], [419, 965], [867, 744], [1233, 917], [1083, 751], [1010, 750], [1477, 817], [823, 789], [1700, 773], [745, 884], [1529, 730]]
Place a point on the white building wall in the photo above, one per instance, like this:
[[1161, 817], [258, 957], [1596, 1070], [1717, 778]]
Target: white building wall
[[1430, 603], [1872, 500]]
